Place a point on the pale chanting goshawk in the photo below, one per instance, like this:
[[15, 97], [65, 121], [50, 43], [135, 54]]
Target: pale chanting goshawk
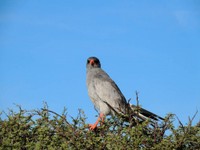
[[106, 95]]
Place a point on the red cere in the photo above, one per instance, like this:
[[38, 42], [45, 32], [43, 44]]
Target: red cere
[[92, 61]]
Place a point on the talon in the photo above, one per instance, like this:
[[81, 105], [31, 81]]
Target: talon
[[92, 126]]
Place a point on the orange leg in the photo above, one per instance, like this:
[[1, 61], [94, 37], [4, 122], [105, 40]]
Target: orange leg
[[94, 126]]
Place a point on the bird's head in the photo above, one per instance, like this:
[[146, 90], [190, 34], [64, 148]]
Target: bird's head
[[93, 62]]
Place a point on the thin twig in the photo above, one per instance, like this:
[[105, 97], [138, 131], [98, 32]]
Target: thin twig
[[138, 107], [190, 120], [44, 109]]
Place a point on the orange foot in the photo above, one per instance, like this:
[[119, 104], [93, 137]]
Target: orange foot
[[92, 126]]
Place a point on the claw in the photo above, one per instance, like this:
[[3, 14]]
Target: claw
[[92, 126]]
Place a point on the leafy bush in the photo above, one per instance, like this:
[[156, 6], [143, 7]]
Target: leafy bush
[[45, 129]]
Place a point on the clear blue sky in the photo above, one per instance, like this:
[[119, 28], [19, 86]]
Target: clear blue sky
[[149, 46]]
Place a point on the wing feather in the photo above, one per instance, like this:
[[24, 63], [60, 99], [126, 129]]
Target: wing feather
[[109, 92]]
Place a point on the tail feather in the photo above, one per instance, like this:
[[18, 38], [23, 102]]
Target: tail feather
[[150, 114], [144, 114]]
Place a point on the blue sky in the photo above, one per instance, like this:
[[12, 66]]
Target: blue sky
[[149, 46]]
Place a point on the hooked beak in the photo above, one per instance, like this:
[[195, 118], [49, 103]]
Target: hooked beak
[[91, 62]]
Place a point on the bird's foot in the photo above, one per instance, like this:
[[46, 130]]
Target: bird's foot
[[92, 126]]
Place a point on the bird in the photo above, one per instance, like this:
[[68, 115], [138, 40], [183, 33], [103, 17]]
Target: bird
[[107, 97]]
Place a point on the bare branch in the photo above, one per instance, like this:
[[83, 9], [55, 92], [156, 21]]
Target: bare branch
[[44, 109]]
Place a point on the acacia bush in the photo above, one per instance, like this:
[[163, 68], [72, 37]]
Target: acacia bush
[[44, 129]]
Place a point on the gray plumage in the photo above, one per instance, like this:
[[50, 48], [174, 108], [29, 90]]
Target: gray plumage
[[106, 95]]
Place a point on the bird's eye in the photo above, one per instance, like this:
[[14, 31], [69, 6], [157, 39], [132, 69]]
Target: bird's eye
[[88, 61]]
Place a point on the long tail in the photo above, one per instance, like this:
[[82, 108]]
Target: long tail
[[144, 114], [136, 113]]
